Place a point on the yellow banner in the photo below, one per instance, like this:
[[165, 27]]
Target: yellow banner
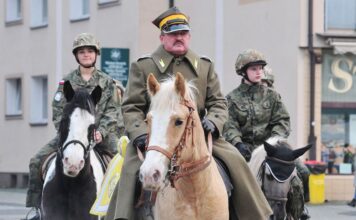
[[111, 178]]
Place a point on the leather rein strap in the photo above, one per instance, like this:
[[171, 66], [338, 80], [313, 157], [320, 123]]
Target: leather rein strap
[[176, 170]]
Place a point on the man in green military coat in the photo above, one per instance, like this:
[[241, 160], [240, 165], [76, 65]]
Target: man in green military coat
[[171, 57], [85, 50]]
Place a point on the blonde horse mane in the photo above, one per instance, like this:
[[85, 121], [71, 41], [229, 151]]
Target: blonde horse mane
[[166, 96]]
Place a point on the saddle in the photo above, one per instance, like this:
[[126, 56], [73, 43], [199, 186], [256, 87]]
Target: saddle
[[104, 158]]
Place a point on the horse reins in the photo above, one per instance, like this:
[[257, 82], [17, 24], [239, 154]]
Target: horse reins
[[176, 170]]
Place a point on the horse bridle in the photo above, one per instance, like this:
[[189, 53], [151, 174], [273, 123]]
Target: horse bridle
[[85, 148], [263, 167], [176, 170]]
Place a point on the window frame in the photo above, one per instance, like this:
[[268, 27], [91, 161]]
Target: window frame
[[83, 5], [39, 100], [39, 11], [13, 109], [13, 18]]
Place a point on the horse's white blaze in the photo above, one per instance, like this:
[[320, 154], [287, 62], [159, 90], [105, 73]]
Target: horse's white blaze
[[73, 155], [156, 161], [97, 170]]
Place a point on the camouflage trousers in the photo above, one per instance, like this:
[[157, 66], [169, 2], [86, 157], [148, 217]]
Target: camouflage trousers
[[35, 185]]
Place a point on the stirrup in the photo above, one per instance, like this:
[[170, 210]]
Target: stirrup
[[33, 214]]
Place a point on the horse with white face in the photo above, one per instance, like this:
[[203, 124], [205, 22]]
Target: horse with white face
[[178, 163], [274, 165], [75, 174]]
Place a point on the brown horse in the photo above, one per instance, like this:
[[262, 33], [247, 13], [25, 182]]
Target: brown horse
[[178, 163]]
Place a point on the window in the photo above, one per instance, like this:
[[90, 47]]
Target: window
[[39, 13], [103, 2], [340, 14], [79, 10], [39, 100], [13, 10], [13, 97]]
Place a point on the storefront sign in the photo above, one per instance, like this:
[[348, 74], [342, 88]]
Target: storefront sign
[[339, 77], [115, 62]]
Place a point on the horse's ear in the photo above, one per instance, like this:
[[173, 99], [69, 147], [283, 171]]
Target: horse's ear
[[270, 150], [96, 94], [68, 91], [180, 84], [152, 84], [299, 152]]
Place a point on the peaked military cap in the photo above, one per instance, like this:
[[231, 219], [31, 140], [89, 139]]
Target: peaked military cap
[[172, 20]]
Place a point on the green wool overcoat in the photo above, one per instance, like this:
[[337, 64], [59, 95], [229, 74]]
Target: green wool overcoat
[[248, 199]]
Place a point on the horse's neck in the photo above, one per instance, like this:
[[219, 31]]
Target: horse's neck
[[197, 182]]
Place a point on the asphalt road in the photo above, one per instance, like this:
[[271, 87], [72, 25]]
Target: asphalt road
[[12, 207]]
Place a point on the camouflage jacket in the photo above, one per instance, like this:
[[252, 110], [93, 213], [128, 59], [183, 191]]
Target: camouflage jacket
[[107, 108], [256, 113], [162, 64]]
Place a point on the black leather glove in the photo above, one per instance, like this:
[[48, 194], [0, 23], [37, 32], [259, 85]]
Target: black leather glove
[[209, 126], [244, 150], [140, 142]]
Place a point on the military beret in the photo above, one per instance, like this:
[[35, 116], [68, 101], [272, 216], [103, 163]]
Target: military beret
[[171, 21]]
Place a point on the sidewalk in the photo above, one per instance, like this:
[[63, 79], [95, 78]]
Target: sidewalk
[[12, 207]]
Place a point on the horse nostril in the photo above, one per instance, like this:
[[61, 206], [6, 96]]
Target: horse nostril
[[81, 163], [156, 175]]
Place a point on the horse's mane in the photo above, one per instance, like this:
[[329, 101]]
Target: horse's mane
[[82, 100], [259, 154], [167, 96]]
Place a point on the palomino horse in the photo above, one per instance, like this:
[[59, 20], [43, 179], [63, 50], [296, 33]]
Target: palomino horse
[[75, 174], [274, 165], [178, 163]]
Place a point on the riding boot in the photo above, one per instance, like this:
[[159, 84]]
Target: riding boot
[[305, 214], [352, 203], [33, 214]]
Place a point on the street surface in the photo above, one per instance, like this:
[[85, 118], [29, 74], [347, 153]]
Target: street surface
[[12, 207]]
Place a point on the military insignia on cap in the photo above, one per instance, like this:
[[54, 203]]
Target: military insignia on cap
[[161, 62], [196, 64], [58, 96]]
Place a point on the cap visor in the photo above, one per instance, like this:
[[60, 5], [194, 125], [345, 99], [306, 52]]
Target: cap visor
[[176, 27]]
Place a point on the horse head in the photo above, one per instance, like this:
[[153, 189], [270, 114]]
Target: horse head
[[170, 123], [77, 127], [279, 171]]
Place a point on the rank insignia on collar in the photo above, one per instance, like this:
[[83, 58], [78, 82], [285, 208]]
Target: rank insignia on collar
[[196, 64], [161, 62]]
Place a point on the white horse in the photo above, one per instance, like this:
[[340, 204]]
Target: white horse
[[178, 163], [274, 166], [75, 174]]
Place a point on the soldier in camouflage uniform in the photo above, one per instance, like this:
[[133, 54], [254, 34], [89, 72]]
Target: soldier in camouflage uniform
[[171, 57], [85, 49], [256, 113]]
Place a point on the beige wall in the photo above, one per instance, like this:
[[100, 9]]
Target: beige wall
[[220, 30]]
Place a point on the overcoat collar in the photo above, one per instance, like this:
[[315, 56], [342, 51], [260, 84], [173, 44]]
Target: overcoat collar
[[163, 59]]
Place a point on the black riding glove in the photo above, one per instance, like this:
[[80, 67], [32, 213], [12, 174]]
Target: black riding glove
[[244, 150], [140, 142], [209, 126]]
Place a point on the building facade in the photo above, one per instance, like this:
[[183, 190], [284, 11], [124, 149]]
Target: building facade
[[37, 35]]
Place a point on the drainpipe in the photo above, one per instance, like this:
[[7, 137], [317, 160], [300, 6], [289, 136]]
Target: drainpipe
[[312, 137], [171, 3]]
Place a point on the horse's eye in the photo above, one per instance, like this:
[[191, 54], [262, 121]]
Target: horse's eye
[[178, 122]]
